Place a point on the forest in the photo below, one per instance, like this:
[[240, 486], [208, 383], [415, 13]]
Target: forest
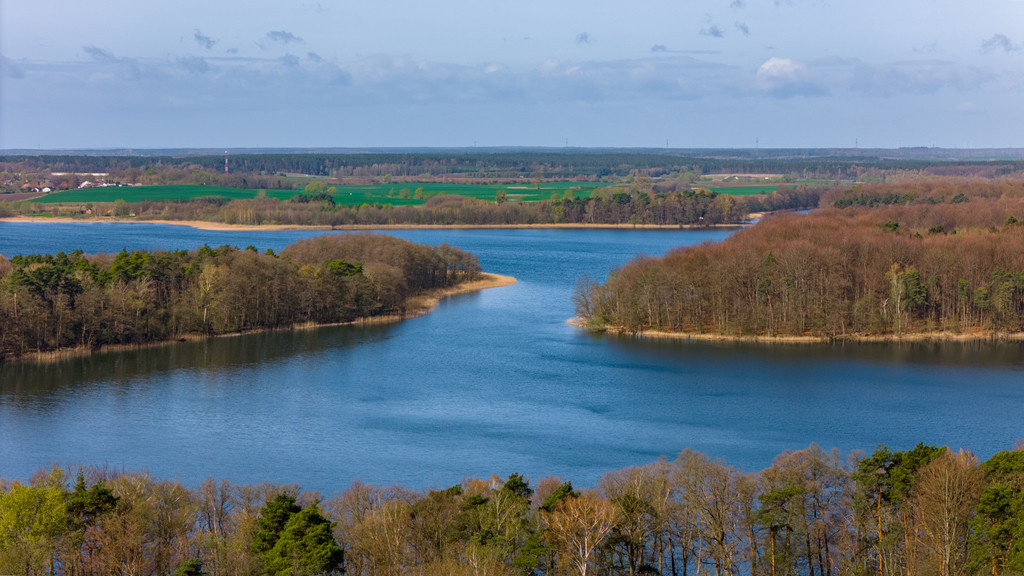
[[54, 302], [563, 164], [923, 511], [944, 259], [650, 187]]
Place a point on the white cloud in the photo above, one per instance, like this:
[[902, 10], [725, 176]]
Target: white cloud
[[786, 78], [190, 87], [906, 77]]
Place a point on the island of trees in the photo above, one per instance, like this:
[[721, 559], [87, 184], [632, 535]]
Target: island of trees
[[938, 259], [54, 302], [926, 510]]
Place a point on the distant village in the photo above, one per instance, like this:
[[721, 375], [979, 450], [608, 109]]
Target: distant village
[[63, 181]]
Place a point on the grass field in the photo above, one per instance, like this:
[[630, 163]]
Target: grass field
[[742, 190], [395, 194], [345, 195]]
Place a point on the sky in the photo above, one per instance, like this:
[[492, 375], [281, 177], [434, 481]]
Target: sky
[[460, 73]]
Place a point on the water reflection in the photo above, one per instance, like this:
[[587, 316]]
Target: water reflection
[[24, 381], [977, 353]]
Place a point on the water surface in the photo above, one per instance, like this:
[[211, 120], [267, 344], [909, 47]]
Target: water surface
[[490, 382]]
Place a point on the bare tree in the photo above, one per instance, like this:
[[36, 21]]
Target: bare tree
[[947, 492], [577, 527]]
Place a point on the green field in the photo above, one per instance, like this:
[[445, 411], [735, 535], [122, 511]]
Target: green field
[[344, 195], [395, 194], [752, 190]]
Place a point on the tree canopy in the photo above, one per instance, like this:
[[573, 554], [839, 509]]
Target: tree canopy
[[51, 302], [925, 510], [927, 264]]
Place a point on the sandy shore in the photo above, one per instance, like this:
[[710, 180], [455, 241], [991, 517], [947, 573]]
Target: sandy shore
[[981, 336], [417, 306], [427, 302], [218, 226], [202, 225]]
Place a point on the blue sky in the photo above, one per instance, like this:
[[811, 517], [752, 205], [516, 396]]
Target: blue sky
[[687, 73]]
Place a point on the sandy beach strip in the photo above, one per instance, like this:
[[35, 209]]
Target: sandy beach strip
[[221, 227]]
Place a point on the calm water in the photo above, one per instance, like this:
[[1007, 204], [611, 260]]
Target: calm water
[[491, 382]]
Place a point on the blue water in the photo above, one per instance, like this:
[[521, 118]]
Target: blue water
[[490, 382]]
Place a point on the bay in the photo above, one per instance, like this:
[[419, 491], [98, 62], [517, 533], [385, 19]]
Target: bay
[[492, 382]]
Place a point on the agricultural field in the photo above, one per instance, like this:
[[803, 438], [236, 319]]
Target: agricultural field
[[745, 189], [384, 193], [396, 194]]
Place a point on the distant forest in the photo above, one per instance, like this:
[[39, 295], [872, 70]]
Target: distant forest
[[875, 260], [53, 302], [262, 170], [647, 186], [927, 510], [610, 205]]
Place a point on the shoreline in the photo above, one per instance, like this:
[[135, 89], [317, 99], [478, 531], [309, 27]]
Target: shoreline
[[416, 306], [222, 227], [912, 337]]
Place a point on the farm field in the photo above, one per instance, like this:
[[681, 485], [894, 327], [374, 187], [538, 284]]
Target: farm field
[[745, 189], [396, 194], [753, 189]]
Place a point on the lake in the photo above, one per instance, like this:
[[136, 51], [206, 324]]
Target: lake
[[492, 382]]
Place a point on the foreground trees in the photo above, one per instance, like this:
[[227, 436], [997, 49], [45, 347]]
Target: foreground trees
[[922, 511], [49, 302]]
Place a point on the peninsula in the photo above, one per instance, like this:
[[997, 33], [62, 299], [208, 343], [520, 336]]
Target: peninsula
[[74, 303], [885, 262]]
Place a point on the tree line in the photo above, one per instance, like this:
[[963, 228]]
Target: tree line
[[926, 510], [887, 260], [608, 205], [256, 170], [51, 302]]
